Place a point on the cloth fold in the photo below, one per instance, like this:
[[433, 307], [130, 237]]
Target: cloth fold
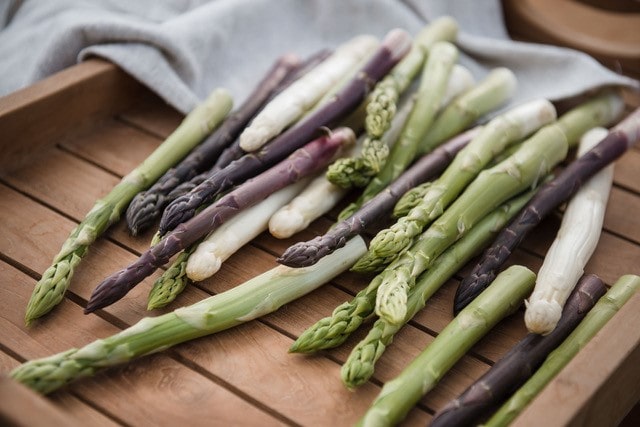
[[183, 49]]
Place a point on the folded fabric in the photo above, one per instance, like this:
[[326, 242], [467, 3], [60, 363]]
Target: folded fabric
[[182, 49]]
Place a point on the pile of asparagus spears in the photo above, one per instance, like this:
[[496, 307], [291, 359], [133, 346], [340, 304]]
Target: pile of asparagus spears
[[403, 126]]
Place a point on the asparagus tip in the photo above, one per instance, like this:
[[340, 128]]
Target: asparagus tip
[[541, 317]]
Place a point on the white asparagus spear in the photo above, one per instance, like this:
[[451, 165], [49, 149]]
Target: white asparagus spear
[[219, 245], [574, 244], [315, 200], [292, 103]]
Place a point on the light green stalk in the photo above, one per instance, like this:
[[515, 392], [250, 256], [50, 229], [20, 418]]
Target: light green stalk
[[492, 92], [172, 282], [503, 130], [500, 299], [359, 367], [433, 83], [256, 297], [381, 107], [598, 316], [50, 289], [524, 168]]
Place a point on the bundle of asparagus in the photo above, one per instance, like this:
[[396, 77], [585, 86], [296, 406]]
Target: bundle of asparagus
[[468, 204], [393, 48], [303, 162]]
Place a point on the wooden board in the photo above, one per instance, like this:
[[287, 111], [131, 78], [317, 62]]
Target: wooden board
[[243, 376]]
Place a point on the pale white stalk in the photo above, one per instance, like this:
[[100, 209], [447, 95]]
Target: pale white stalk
[[219, 245], [304, 93], [575, 242], [318, 198], [460, 81]]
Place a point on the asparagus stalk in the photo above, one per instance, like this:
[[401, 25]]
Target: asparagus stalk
[[503, 130], [146, 207], [575, 242], [384, 98], [220, 244], [624, 288], [360, 364], [513, 370], [399, 395], [433, 83], [303, 254], [532, 161], [256, 297], [393, 48], [303, 162], [492, 92], [304, 93], [375, 151], [550, 196], [50, 289], [312, 202]]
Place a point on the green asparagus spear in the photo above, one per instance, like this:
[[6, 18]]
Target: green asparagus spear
[[624, 288], [360, 365], [50, 289], [496, 88], [410, 199], [399, 395], [382, 102], [503, 130], [256, 297]]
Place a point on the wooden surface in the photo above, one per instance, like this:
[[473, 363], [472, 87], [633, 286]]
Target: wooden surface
[[243, 376]]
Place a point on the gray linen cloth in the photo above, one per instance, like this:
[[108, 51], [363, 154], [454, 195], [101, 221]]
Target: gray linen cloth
[[182, 49]]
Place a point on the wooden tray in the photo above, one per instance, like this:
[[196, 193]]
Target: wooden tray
[[68, 139]]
